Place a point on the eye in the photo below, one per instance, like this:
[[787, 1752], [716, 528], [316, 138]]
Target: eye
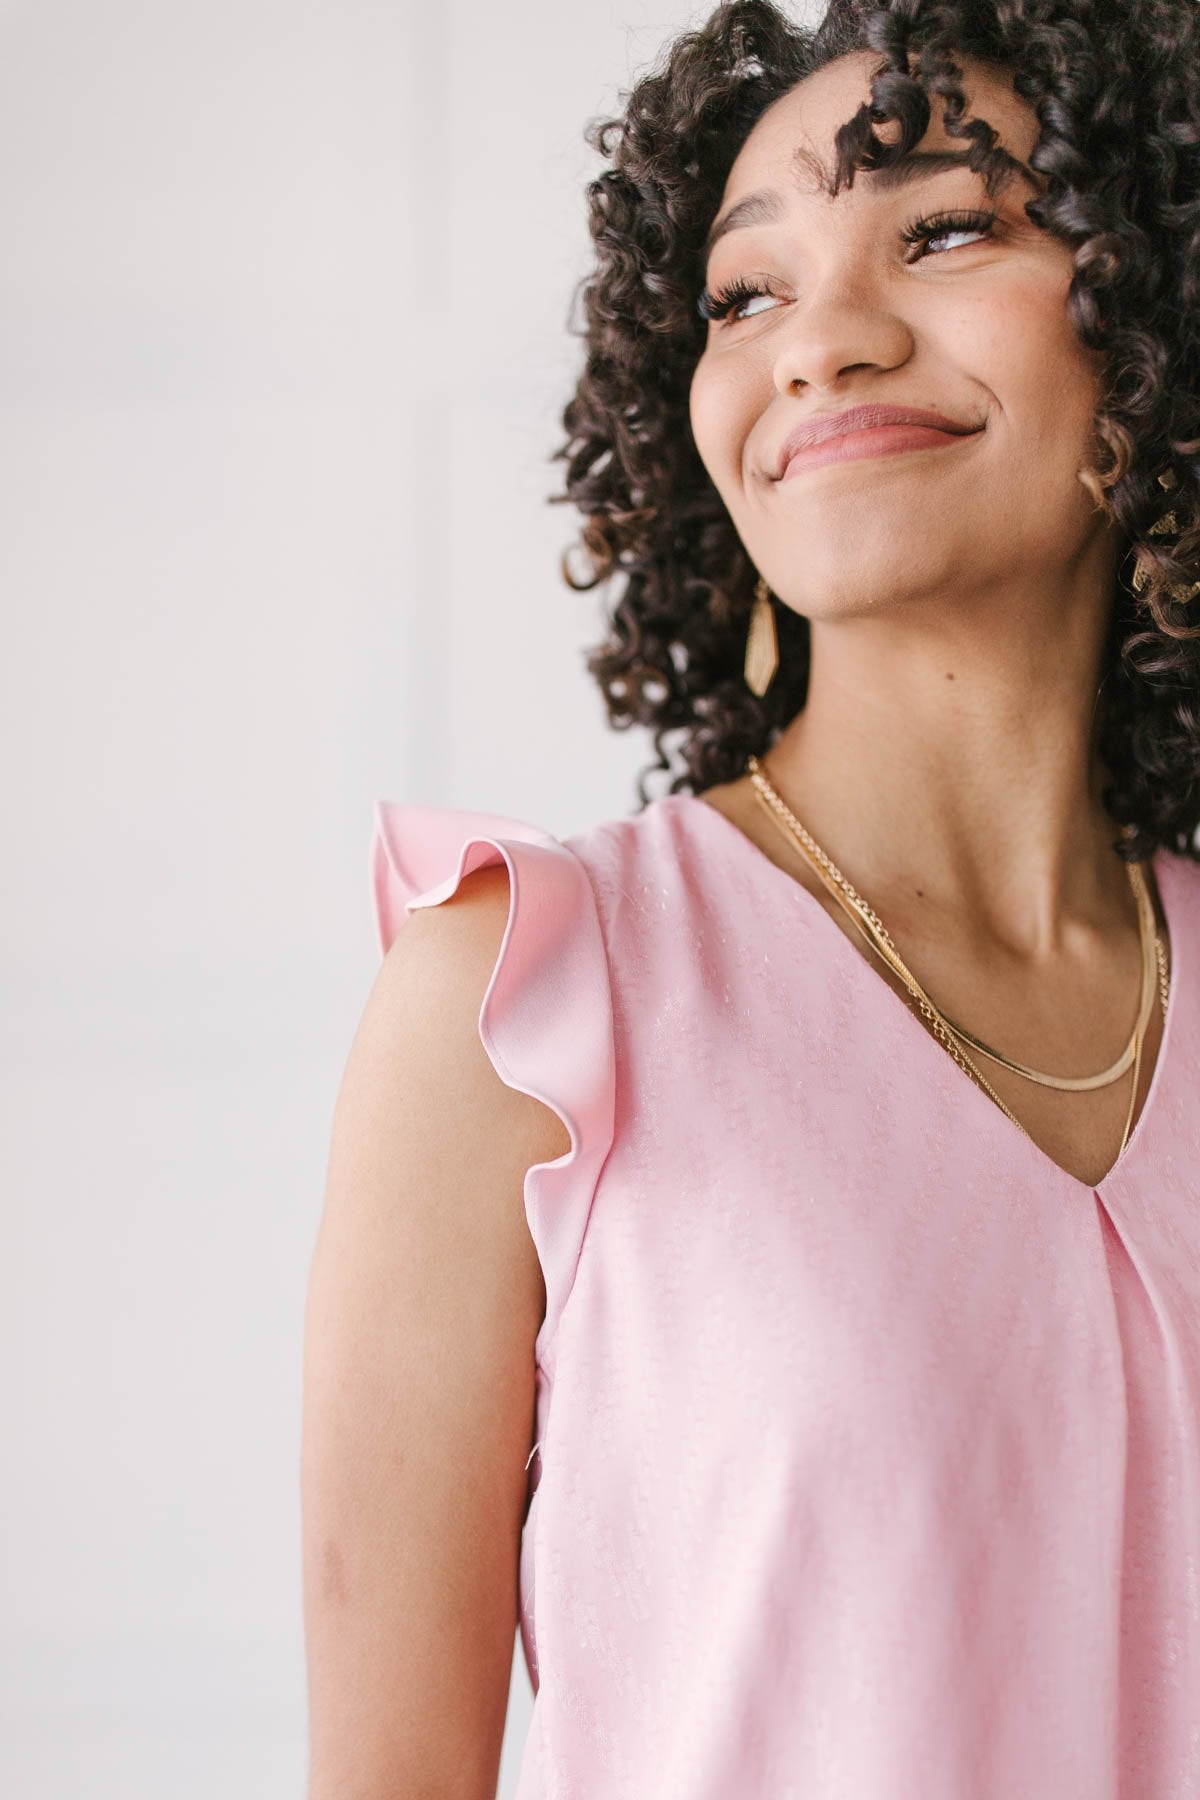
[[947, 224], [729, 300], [726, 303]]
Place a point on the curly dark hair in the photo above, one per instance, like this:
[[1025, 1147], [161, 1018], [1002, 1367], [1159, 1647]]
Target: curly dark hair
[[1116, 88]]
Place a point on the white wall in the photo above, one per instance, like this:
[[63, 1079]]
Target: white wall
[[283, 302]]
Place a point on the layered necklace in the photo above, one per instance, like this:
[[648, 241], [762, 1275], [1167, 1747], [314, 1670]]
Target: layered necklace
[[951, 1035]]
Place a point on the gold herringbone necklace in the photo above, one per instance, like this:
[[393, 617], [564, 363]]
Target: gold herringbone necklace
[[944, 1029]]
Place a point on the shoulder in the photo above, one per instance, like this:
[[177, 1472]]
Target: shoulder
[[1180, 874], [491, 921], [421, 1028], [451, 943], [494, 952], [1178, 895]]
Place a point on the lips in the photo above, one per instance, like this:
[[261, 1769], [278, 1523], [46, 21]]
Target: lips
[[823, 426]]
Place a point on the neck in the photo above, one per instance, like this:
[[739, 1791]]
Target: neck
[[950, 773]]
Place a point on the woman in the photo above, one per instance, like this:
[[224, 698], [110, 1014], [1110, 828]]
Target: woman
[[802, 1175]]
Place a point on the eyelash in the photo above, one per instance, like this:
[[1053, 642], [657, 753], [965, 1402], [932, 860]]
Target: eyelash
[[718, 306]]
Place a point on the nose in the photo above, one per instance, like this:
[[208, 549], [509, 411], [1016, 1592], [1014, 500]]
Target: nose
[[832, 332]]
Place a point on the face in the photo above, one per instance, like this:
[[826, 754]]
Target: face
[[857, 303]]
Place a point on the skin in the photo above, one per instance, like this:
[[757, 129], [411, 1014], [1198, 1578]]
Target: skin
[[424, 1302], [958, 597]]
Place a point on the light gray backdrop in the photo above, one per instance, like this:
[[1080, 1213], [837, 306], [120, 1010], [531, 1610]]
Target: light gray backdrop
[[283, 342]]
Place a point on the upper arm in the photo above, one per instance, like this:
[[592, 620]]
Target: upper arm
[[424, 1302]]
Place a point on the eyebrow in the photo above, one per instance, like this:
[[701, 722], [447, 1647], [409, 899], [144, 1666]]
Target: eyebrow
[[766, 205]]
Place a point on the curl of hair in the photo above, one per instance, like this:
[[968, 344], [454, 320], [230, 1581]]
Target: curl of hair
[[1115, 85]]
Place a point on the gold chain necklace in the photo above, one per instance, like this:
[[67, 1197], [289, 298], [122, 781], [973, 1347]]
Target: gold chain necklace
[[944, 1028]]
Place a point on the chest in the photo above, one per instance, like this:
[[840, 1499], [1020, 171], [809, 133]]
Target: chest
[[1080, 1131], [812, 1222]]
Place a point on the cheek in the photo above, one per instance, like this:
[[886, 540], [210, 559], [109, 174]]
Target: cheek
[[1044, 378], [720, 418], [700, 409]]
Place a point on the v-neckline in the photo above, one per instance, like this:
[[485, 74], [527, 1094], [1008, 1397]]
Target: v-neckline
[[690, 805]]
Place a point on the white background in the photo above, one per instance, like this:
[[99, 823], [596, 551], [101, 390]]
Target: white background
[[284, 297]]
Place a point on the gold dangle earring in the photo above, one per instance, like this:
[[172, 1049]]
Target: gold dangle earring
[[762, 641], [1163, 527]]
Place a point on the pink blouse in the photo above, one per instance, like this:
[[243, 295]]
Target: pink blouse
[[868, 1439]]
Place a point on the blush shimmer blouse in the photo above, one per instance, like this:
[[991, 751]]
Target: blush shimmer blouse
[[867, 1448]]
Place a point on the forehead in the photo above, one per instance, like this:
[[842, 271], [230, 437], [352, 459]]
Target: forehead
[[792, 145]]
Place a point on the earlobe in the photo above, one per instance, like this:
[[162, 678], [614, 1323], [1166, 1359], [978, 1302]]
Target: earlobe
[[1088, 479]]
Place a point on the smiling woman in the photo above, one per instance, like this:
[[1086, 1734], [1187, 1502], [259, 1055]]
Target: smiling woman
[[949, 300], [1100, 218], [800, 1178]]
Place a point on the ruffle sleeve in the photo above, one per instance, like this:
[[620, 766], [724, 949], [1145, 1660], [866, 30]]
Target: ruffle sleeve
[[545, 1019]]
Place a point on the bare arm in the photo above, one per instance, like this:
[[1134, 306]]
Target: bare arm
[[425, 1298]]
